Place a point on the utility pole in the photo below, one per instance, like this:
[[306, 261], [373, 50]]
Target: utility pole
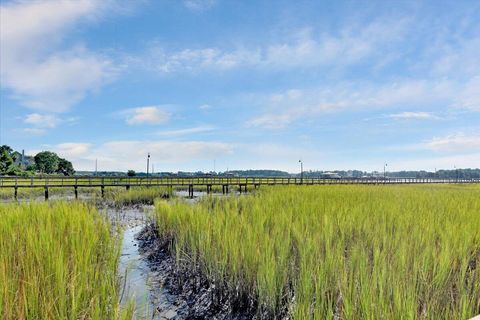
[[148, 163], [301, 171]]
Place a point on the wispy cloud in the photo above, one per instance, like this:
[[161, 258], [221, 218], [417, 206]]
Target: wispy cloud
[[284, 108], [186, 131], [301, 49], [33, 131], [413, 115], [199, 5], [146, 115]]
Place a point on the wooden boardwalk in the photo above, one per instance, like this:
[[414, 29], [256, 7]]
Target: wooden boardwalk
[[195, 182]]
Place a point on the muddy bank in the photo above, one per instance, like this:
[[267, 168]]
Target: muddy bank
[[192, 295]]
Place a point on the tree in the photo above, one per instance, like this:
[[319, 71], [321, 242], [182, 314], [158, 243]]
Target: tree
[[6, 161], [47, 162], [6, 148], [131, 173], [65, 167]]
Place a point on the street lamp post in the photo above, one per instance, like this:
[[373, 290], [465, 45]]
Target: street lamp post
[[301, 171], [385, 171], [148, 164]]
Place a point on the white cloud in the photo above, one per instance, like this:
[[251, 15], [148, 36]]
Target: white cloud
[[459, 142], [72, 149], [130, 154], [146, 115], [413, 115], [39, 71], [42, 120], [187, 131]]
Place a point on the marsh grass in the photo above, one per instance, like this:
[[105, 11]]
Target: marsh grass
[[58, 261], [344, 252], [136, 195]]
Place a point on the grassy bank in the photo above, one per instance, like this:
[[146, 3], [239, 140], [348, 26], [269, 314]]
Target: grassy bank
[[352, 252], [57, 261]]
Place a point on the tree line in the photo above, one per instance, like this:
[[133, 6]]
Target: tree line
[[13, 163]]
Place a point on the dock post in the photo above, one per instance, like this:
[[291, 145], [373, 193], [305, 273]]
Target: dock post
[[76, 191], [46, 193], [190, 191], [16, 193], [103, 191], [127, 187]]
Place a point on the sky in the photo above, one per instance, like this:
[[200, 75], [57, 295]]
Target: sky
[[226, 84]]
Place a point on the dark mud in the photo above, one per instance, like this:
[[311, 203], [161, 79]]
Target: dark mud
[[192, 295]]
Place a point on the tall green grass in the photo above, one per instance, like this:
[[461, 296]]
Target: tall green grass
[[57, 261], [344, 252], [136, 195]]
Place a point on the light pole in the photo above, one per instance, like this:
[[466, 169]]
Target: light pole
[[385, 171], [301, 171], [148, 163]]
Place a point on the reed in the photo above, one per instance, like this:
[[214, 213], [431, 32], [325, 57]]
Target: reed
[[58, 261], [344, 252]]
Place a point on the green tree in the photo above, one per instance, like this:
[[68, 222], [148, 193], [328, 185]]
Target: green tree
[[6, 161], [131, 173], [47, 162], [65, 167]]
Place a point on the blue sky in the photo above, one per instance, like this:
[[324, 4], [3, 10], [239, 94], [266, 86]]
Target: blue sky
[[247, 84]]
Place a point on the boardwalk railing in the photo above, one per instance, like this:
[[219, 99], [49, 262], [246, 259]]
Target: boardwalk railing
[[108, 181], [191, 182]]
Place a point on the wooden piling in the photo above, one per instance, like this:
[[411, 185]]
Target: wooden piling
[[190, 191], [103, 191], [75, 189], [16, 193], [46, 193]]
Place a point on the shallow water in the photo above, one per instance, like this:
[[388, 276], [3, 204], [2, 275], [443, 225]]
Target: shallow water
[[136, 277]]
